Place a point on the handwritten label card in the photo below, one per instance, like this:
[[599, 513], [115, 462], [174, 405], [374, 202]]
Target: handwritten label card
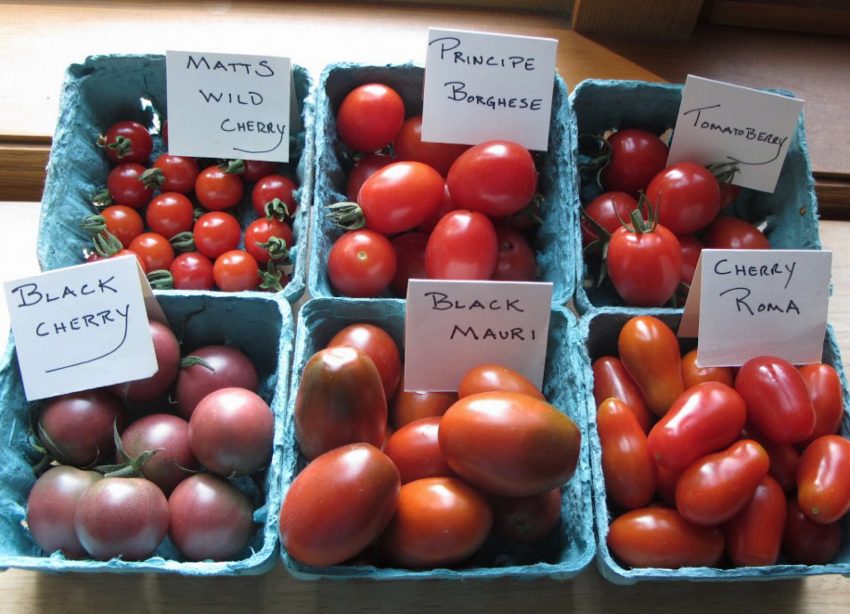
[[723, 123], [452, 326], [228, 105], [482, 87], [81, 327], [746, 303]]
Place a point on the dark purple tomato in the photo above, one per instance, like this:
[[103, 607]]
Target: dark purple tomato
[[210, 368], [167, 350], [168, 435]]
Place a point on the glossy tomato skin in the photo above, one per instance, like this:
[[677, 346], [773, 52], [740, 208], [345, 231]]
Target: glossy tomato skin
[[644, 267], [823, 479], [216, 232], [526, 520], [217, 189], [717, 486], [824, 386], [169, 436], [178, 173], [516, 258], [170, 213], [496, 178], [362, 264], [378, 345], [409, 405], [691, 248], [438, 522], [636, 157], [261, 231], [400, 196], [784, 459], [339, 504], [609, 210], [807, 542], [667, 479], [693, 375], [631, 478], [509, 443], [490, 377], [126, 187], [192, 271], [362, 170], [340, 400], [369, 117], [76, 428], [127, 141], [270, 187], [610, 379], [408, 145], [209, 368], [661, 537], [754, 535], [447, 205], [167, 350], [410, 257], [778, 403], [687, 197], [463, 245], [154, 250], [650, 354], [415, 450], [123, 222], [705, 418], [734, 233], [235, 271]]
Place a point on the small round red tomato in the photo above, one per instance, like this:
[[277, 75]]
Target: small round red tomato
[[409, 405], [272, 187], [362, 170], [338, 505], [729, 193], [734, 233], [168, 435], [153, 250], [210, 368], [123, 222], [687, 197], [631, 478], [824, 386], [644, 264], [216, 232], [415, 450], [216, 189], [167, 351], [509, 443], [636, 156], [361, 263], [178, 173], [127, 141], [704, 418], [496, 178], [489, 377], [516, 260], [649, 351], [408, 145], [823, 479], [463, 245], [170, 213], [691, 249], [526, 520], [438, 522], [126, 187], [410, 255], [660, 537], [693, 375], [754, 535], [778, 403], [715, 487], [809, 543], [192, 271], [263, 230], [254, 170], [378, 345], [235, 271], [610, 210], [369, 117], [610, 379]]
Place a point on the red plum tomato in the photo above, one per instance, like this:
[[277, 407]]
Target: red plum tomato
[[409, 405], [493, 378], [823, 479], [687, 197], [806, 542], [463, 245], [410, 257], [693, 375], [378, 345], [408, 145], [610, 379], [400, 196], [754, 535], [415, 450], [824, 386]]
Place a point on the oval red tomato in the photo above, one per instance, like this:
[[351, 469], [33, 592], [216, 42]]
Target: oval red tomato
[[687, 197], [610, 379], [492, 378], [516, 258], [693, 375], [408, 405], [415, 450], [809, 543], [645, 266], [463, 245], [824, 386], [823, 479], [408, 145], [378, 345], [734, 233], [754, 535], [400, 196]]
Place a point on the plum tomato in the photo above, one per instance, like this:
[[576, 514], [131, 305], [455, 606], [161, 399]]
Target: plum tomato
[[231, 432], [361, 264], [260, 232], [216, 189], [438, 522], [610, 379], [447, 205], [370, 117], [410, 256], [51, 505], [824, 386], [754, 535], [362, 170], [784, 458], [192, 271], [209, 368], [734, 233], [526, 520], [667, 479], [378, 345], [126, 187], [496, 178], [170, 213], [490, 377], [409, 405], [686, 196], [823, 479], [236, 271], [127, 141], [271, 187], [636, 156], [216, 232], [610, 210], [644, 263], [340, 400], [339, 504], [408, 145], [509, 443], [463, 245], [168, 437], [154, 250], [693, 375], [167, 350], [516, 261], [661, 537], [210, 518], [178, 173], [415, 450], [806, 542]]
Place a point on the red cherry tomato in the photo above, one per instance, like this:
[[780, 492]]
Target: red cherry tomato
[[178, 173], [754, 535], [123, 222], [693, 375], [463, 245], [170, 213], [217, 189], [609, 210], [153, 250], [687, 197], [410, 256], [610, 379], [216, 232], [408, 145], [823, 479], [362, 170], [644, 267], [493, 378], [734, 233], [516, 258], [824, 386], [378, 345], [254, 170], [809, 543], [636, 157], [192, 271], [235, 271], [400, 196], [369, 117], [415, 450], [361, 263], [728, 193], [263, 230], [127, 141], [271, 187], [126, 187], [691, 248]]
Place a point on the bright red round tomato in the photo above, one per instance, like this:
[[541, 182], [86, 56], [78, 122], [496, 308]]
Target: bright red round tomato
[[644, 267], [636, 156], [754, 535], [263, 230], [691, 249], [526, 520], [415, 450], [610, 210], [734, 233], [192, 271], [488, 377], [400, 196], [170, 213], [127, 141], [378, 345], [369, 117], [408, 405], [126, 187], [361, 263], [154, 250], [216, 232], [516, 258], [687, 197], [631, 478], [178, 173], [463, 245], [496, 178], [271, 187], [123, 222], [824, 386], [216, 189], [235, 271], [809, 543], [254, 170], [823, 479], [362, 170], [408, 145], [410, 256], [610, 379], [693, 375]]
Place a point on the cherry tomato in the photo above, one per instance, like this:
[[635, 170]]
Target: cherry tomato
[[262, 231], [338, 505], [438, 522], [167, 351], [463, 245], [410, 256], [644, 266], [631, 478], [127, 141], [636, 157], [170, 213], [216, 232], [362, 170], [734, 233], [272, 187], [728, 193], [693, 375], [687, 197], [824, 386], [254, 170], [610, 379], [778, 403], [509, 443], [717, 486], [526, 520], [704, 418], [516, 258], [496, 378], [408, 405], [691, 249], [361, 263], [210, 368], [123, 222], [217, 189], [650, 354], [415, 450], [235, 271], [169, 436], [809, 543], [823, 479], [340, 400], [369, 117], [192, 271], [126, 187], [178, 173], [609, 210], [754, 535], [378, 345], [660, 537], [408, 145], [496, 178], [153, 250]]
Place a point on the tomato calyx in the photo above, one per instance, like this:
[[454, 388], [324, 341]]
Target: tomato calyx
[[724, 172], [272, 278], [347, 215], [153, 178], [132, 467], [102, 198], [232, 167], [106, 244], [183, 242], [193, 360], [161, 279], [93, 224], [277, 249], [276, 209], [121, 145]]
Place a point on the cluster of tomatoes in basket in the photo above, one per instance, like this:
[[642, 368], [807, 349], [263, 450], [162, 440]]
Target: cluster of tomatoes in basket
[[182, 217], [651, 220], [422, 209], [123, 467], [717, 466], [418, 479]]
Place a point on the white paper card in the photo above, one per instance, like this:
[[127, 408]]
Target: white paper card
[[482, 87], [80, 327], [758, 302], [228, 105], [452, 326], [721, 123]]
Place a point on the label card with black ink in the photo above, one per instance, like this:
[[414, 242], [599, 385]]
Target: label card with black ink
[[452, 326], [230, 106], [746, 129], [81, 327], [483, 87], [745, 303]]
